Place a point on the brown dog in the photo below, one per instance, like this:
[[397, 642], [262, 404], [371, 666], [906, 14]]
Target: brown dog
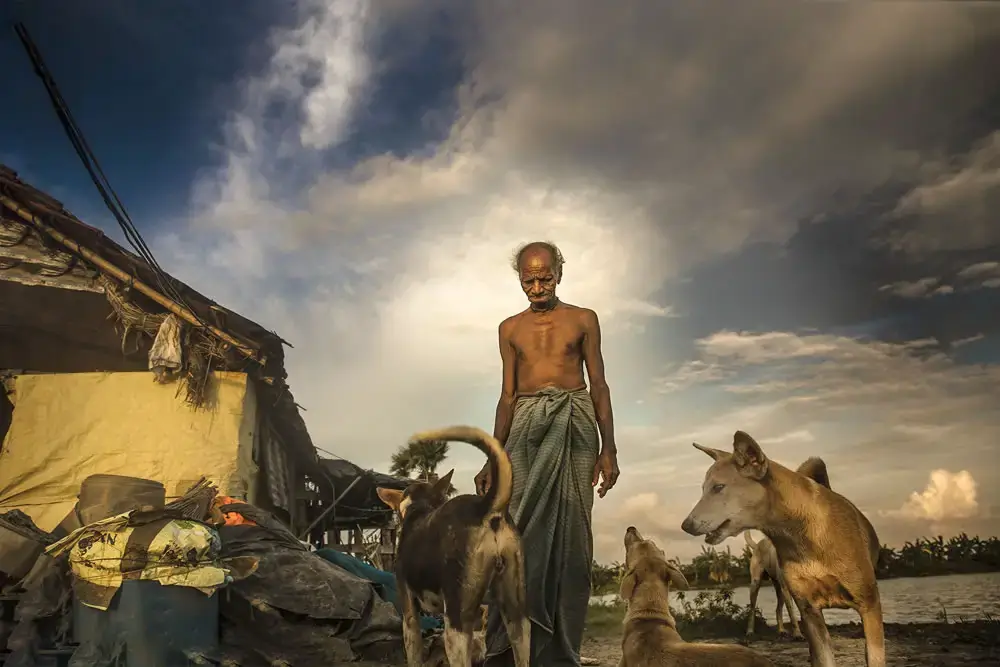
[[826, 547], [649, 637]]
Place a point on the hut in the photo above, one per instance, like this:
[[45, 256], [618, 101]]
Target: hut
[[360, 524], [109, 365]]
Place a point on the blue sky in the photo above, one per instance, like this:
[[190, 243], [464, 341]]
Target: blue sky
[[782, 215]]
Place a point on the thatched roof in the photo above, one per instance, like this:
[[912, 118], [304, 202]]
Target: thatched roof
[[108, 305]]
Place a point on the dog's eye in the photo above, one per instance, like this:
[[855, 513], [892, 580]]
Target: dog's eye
[[718, 488]]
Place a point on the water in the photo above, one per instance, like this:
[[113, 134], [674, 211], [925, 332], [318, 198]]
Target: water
[[905, 600]]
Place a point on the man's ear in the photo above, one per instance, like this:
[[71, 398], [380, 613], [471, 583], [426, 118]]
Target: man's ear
[[627, 587], [748, 456], [674, 576], [444, 483], [716, 454], [390, 497]]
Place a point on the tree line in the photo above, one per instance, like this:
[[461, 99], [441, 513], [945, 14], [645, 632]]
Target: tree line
[[924, 557]]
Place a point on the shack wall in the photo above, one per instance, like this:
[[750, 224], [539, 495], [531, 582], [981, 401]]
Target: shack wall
[[66, 427]]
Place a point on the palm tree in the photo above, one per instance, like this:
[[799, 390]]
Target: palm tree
[[421, 458]]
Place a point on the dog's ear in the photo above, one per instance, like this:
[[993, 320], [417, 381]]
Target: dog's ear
[[673, 575], [444, 483], [748, 456], [815, 469], [627, 587], [390, 497], [716, 454]]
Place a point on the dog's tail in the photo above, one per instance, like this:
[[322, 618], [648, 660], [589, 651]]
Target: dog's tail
[[501, 477], [750, 542], [815, 469]]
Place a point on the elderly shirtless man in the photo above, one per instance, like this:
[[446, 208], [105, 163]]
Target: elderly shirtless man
[[549, 424]]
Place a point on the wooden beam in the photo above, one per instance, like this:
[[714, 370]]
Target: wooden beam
[[128, 280]]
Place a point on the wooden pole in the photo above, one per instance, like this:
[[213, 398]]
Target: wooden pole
[[129, 280], [333, 505]]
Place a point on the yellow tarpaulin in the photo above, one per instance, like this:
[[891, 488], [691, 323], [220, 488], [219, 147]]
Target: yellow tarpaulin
[[67, 427]]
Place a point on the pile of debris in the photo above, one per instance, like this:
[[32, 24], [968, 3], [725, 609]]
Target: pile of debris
[[205, 579]]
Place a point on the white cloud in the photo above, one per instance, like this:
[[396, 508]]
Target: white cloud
[[970, 339], [956, 208], [979, 270], [981, 275], [642, 502], [948, 496], [916, 289], [681, 376], [642, 157]]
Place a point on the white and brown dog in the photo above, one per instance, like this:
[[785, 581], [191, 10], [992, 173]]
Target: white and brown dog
[[453, 551]]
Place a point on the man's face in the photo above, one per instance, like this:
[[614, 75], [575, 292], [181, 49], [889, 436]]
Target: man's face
[[538, 278]]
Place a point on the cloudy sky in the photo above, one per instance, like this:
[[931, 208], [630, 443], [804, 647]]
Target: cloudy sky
[[784, 214]]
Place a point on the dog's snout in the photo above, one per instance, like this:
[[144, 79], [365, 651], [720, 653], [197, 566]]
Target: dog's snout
[[631, 530], [688, 526]]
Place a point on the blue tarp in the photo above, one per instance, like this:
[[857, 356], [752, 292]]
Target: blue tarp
[[385, 582]]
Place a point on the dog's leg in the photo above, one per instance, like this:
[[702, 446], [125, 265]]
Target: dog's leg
[[514, 606], [784, 596], [780, 605], [457, 642], [820, 644], [754, 589], [871, 620], [413, 642]]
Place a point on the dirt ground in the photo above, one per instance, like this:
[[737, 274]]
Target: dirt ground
[[916, 645]]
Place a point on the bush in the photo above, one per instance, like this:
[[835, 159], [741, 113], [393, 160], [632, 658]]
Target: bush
[[714, 614]]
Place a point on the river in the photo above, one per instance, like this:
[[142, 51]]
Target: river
[[904, 600]]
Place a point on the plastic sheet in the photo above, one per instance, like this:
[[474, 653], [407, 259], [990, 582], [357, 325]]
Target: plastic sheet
[[299, 607], [174, 552]]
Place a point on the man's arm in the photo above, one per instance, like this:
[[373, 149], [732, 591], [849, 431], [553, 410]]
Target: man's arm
[[505, 406], [599, 391]]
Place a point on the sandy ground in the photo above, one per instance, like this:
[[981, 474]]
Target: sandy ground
[[923, 645]]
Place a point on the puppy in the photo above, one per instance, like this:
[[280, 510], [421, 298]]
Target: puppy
[[649, 637], [452, 552], [827, 549]]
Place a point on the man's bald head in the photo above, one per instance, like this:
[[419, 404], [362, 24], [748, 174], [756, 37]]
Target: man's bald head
[[536, 248]]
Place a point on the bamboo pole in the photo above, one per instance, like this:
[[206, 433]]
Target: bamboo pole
[[127, 279]]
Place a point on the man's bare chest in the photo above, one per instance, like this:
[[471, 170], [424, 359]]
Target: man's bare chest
[[545, 338]]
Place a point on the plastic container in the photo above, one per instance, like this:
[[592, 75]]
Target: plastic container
[[102, 496], [18, 552], [158, 624]]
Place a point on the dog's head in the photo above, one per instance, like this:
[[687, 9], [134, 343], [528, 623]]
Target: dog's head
[[734, 494], [425, 495], [648, 575]]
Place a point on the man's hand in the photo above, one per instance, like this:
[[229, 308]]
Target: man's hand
[[483, 481], [606, 471]]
